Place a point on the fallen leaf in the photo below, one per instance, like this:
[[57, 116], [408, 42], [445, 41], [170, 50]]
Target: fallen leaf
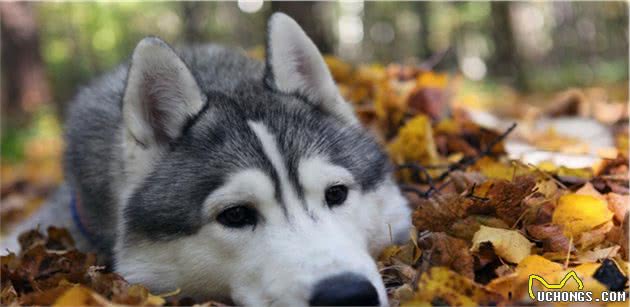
[[590, 238], [439, 214], [598, 254], [503, 198], [449, 252], [508, 244], [588, 189], [580, 213], [492, 168], [440, 286], [552, 237], [619, 205], [77, 296], [414, 143]]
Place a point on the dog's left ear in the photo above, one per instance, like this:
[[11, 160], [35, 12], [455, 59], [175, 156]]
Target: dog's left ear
[[295, 66], [161, 94]]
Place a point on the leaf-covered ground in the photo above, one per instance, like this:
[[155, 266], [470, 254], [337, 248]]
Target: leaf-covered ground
[[483, 223]]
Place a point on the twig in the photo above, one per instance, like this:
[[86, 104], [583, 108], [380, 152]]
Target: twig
[[417, 168], [412, 189], [562, 185], [434, 59], [566, 262], [472, 195], [467, 161]]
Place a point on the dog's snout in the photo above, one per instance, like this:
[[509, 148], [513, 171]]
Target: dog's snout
[[345, 289]]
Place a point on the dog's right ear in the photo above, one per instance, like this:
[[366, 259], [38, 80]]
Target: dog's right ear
[[161, 94]]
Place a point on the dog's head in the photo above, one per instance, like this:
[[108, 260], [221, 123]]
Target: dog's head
[[265, 192]]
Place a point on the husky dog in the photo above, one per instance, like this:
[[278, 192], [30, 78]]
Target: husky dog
[[230, 179]]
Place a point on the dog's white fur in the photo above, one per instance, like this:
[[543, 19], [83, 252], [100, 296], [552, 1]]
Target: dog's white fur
[[278, 262]]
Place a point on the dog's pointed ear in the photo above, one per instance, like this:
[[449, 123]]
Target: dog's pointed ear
[[161, 94], [295, 66]]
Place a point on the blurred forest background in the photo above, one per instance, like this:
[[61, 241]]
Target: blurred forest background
[[49, 49]]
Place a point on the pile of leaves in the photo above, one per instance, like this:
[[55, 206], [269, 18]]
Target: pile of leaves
[[50, 271], [482, 223]]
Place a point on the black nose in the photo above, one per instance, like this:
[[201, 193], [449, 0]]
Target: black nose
[[345, 289]]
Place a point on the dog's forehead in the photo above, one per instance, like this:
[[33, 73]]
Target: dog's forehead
[[300, 130]]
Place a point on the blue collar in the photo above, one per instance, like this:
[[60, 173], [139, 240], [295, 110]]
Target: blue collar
[[76, 217]]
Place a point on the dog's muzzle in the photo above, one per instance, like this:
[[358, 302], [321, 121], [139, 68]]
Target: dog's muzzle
[[347, 289]]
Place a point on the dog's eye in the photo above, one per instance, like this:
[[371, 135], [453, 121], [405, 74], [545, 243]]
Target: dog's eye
[[336, 195], [237, 217]]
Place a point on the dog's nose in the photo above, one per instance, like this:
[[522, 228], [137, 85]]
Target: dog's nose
[[345, 289]]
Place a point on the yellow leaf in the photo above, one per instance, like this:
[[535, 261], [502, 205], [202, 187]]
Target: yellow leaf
[[535, 264], [584, 173], [415, 142], [585, 273], [444, 287], [340, 70], [550, 167], [389, 252], [75, 296], [547, 166], [579, 213], [81, 296], [499, 170], [432, 79], [447, 126], [508, 244], [154, 300], [515, 284]]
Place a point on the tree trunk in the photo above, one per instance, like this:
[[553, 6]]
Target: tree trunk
[[506, 61], [194, 19], [422, 9], [24, 81], [305, 14]]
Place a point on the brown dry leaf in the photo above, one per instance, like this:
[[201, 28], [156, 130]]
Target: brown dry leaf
[[49, 270], [503, 198], [625, 229], [598, 254], [552, 237], [619, 205], [428, 101], [438, 214], [464, 228], [446, 251], [594, 237], [540, 210], [8, 295]]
